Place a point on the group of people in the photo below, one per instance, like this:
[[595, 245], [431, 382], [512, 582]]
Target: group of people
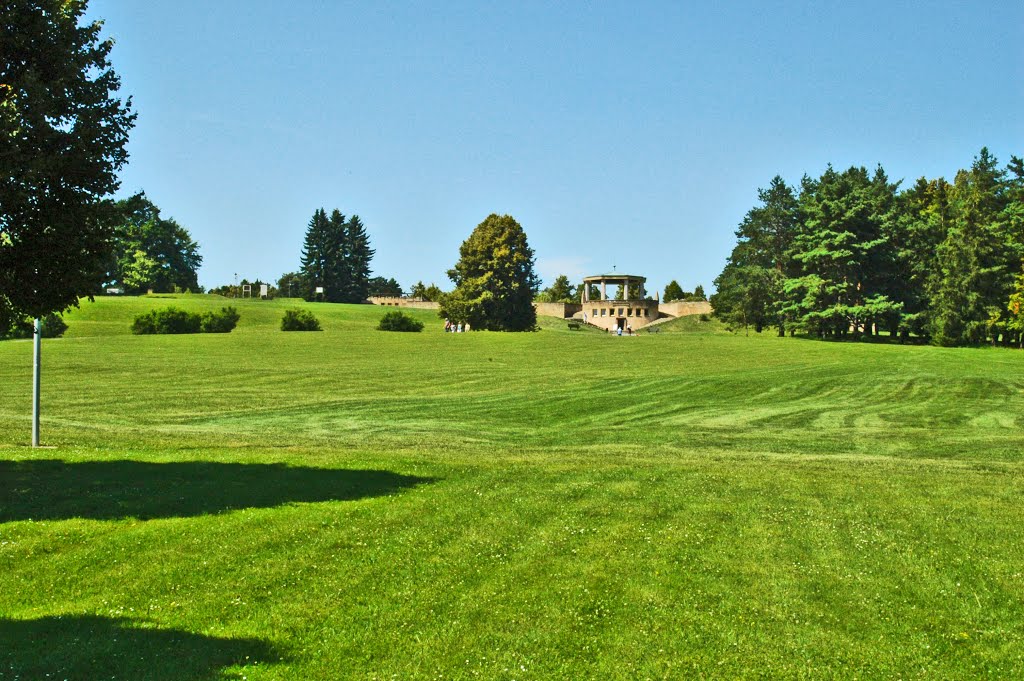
[[618, 330], [452, 327]]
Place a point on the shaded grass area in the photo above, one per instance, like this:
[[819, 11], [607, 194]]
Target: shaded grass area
[[55, 490], [545, 505], [90, 647]]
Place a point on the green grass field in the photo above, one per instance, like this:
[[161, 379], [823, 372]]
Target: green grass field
[[560, 504]]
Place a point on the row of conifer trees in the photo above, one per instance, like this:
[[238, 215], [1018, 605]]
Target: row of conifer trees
[[849, 254], [336, 258]]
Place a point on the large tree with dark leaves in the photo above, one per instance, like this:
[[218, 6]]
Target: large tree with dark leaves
[[63, 133], [152, 252], [494, 279]]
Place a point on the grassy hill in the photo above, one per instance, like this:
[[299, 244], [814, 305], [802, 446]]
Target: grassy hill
[[558, 504]]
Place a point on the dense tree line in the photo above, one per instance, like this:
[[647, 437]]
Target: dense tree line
[[849, 254], [336, 256]]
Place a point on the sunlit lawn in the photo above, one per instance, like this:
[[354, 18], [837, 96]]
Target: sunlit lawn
[[561, 504]]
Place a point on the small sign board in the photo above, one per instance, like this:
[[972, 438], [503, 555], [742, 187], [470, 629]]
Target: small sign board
[[319, 289], [264, 291]]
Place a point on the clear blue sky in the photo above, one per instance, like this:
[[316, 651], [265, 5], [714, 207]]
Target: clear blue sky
[[627, 134]]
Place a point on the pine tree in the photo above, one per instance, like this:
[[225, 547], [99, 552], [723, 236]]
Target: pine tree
[[336, 256], [973, 272], [673, 291], [316, 253], [357, 261], [560, 291], [337, 273], [750, 288], [915, 230], [841, 256]]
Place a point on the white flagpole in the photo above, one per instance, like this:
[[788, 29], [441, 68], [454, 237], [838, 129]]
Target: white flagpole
[[36, 336]]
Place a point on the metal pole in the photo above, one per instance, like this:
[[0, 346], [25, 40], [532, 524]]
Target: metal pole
[[37, 334]]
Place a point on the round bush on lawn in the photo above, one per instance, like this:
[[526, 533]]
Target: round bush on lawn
[[299, 320], [399, 321]]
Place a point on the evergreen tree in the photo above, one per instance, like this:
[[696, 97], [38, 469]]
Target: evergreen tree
[[916, 228], [356, 263], [672, 292], [315, 255], [973, 271], [842, 258], [379, 286], [338, 272], [336, 256], [750, 289], [560, 291], [494, 279]]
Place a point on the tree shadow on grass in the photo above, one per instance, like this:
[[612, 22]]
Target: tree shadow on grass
[[91, 647], [107, 490]]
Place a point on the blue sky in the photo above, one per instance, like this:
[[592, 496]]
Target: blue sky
[[632, 135]]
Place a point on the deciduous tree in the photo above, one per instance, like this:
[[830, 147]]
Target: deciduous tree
[[63, 133], [170, 256], [494, 279]]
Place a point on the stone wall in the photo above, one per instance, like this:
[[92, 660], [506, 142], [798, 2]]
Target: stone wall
[[414, 303], [560, 310], [680, 308]]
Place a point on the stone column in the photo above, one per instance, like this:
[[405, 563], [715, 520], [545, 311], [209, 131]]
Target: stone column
[[604, 294]]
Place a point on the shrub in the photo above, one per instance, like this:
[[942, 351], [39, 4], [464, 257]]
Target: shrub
[[704, 317], [399, 321], [299, 320], [219, 322], [167, 320], [53, 326]]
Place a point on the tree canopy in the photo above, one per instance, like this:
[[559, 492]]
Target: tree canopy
[[150, 252], [430, 293], [379, 286], [560, 291], [494, 279], [63, 133], [673, 291]]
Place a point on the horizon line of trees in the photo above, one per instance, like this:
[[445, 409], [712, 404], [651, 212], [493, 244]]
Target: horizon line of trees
[[848, 255]]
